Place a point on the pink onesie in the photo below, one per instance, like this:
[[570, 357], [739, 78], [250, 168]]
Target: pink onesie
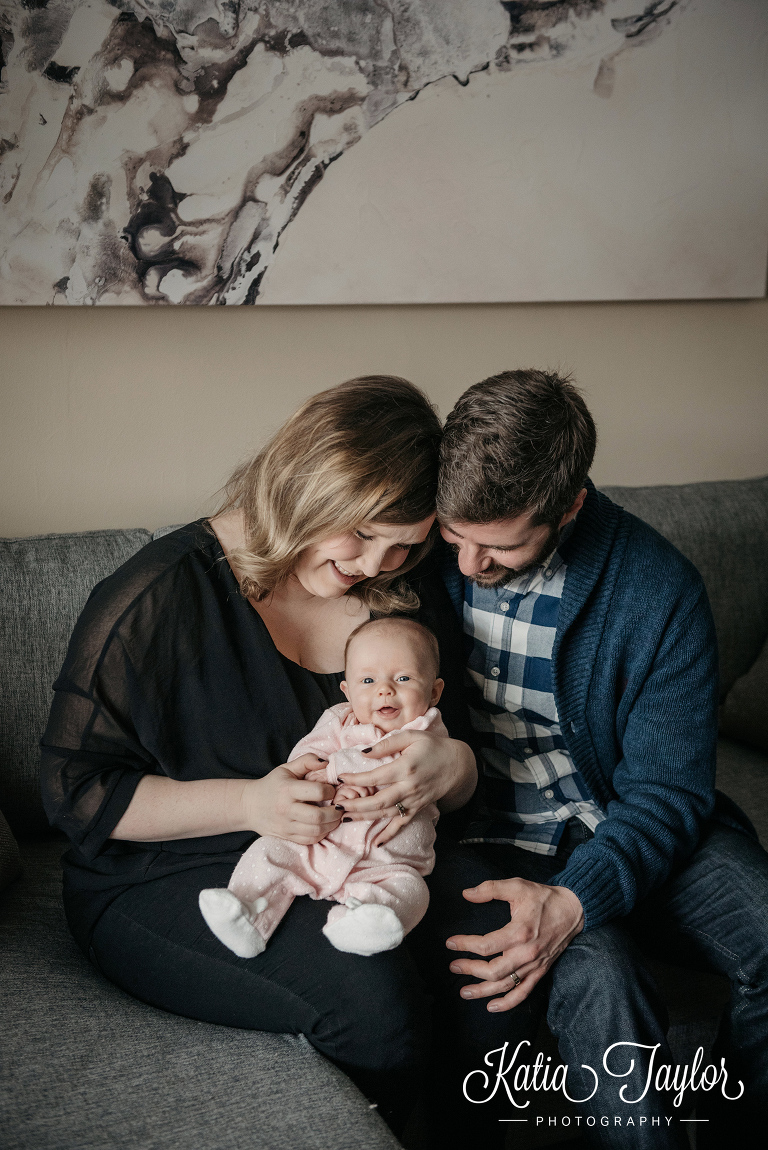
[[345, 864]]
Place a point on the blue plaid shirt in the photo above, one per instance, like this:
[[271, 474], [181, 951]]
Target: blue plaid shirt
[[531, 787]]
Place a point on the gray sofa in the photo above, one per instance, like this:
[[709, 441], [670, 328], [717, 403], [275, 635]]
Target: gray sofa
[[84, 1066]]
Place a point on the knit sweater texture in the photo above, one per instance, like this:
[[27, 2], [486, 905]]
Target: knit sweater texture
[[634, 671]]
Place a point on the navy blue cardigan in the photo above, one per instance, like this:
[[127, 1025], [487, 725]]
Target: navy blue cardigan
[[635, 683]]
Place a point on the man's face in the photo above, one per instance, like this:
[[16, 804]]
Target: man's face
[[490, 554]]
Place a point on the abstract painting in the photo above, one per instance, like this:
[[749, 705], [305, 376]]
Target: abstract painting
[[166, 152]]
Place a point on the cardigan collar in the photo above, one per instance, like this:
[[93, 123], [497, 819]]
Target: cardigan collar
[[586, 552]]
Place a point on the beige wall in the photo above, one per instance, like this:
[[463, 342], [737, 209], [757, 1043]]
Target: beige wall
[[134, 417]]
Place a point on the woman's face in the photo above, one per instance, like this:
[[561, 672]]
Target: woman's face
[[329, 568]]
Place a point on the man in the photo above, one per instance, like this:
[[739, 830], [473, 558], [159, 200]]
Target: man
[[592, 666]]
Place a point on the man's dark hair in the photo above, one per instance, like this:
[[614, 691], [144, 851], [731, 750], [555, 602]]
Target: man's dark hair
[[521, 441]]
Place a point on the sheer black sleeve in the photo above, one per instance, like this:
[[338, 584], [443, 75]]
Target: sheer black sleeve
[[92, 756], [169, 671]]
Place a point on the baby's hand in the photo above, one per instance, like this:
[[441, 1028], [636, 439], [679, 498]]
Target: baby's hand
[[320, 776], [348, 791]]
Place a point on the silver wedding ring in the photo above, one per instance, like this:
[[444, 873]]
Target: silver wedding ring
[[516, 979], [401, 809]]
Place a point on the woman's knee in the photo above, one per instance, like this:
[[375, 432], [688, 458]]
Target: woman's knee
[[379, 1018]]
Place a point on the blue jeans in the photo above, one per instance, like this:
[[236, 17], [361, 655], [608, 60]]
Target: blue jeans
[[711, 914]]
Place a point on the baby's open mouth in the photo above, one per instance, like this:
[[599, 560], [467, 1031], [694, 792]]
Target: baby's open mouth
[[387, 712]]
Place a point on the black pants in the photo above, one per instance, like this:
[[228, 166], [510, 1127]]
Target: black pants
[[370, 1016]]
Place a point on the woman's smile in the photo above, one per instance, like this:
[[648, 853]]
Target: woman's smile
[[325, 569], [347, 577]]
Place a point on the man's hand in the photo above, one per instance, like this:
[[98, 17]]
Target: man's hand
[[543, 920]]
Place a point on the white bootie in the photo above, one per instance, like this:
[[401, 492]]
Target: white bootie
[[230, 920], [367, 928]]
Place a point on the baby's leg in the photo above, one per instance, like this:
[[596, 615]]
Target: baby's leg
[[231, 920], [385, 894], [380, 905], [260, 891]]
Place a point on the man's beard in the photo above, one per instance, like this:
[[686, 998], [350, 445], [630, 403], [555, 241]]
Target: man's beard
[[496, 575]]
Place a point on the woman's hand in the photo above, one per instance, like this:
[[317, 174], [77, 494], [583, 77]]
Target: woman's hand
[[429, 769], [285, 804]]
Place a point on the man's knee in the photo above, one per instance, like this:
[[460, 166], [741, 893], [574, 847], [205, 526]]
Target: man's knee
[[715, 907], [597, 969], [596, 954]]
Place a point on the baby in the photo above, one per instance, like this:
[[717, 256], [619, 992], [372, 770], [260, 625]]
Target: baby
[[391, 684]]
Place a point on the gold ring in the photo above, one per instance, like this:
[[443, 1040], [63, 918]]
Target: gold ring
[[516, 979], [401, 809]]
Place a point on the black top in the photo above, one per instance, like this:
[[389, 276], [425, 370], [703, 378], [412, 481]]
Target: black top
[[170, 670]]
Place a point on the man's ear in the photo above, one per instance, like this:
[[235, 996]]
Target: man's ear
[[344, 689], [575, 508], [437, 690]]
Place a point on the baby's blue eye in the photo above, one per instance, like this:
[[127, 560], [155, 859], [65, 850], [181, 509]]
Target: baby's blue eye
[[368, 680], [403, 678]]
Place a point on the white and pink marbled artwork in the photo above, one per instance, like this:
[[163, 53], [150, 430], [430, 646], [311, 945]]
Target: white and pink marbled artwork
[[381, 151]]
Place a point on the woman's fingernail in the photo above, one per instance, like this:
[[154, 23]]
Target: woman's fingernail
[[466, 993], [494, 1006], [347, 820], [338, 808], [454, 968], [451, 945], [366, 750]]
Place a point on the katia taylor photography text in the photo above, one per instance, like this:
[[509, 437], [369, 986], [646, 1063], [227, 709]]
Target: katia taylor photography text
[[622, 1060]]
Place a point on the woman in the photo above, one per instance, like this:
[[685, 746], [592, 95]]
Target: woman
[[191, 674]]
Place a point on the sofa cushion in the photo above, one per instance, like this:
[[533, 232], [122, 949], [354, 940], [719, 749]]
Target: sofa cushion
[[46, 580], [723, 529], [742, 775], [88, 1067], [161, 531], [10, 863], [744, 713]]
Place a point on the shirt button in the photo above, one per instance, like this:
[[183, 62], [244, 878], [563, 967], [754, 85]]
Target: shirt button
[[527, 750], [549, 794], [495, 672], [504, 606]]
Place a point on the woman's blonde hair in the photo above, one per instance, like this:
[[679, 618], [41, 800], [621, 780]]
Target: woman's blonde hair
[[364, 451]]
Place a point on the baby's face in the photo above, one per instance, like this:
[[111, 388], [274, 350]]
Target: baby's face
[[390, 678]]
